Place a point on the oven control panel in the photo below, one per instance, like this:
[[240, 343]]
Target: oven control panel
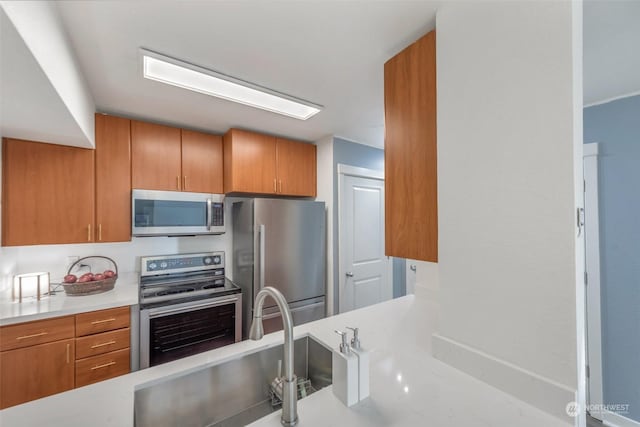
[[167, 264]]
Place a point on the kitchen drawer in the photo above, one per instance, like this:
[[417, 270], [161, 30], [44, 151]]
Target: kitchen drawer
[[101, 321], [99, 368], [102, 343], [37, 332]]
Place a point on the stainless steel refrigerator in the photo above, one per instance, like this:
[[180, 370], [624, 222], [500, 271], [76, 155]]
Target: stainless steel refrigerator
[[280, 243]]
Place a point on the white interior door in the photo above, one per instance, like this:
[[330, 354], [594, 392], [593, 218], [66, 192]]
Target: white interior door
[[592, 265], [365, 274]]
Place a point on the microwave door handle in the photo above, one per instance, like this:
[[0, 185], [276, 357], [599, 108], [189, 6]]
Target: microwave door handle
[[261, 259], [209, 215]]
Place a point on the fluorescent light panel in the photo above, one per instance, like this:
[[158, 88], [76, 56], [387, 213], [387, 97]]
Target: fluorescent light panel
[[187, 76]]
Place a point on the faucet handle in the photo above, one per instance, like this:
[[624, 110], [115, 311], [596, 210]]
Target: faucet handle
[[355, 341], [344, 345]]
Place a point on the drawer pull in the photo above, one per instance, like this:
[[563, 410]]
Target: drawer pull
[[39, 334], [104, 365], [97, 322], [103, 344]]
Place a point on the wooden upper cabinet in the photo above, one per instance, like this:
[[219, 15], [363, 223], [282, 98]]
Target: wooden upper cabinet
[[296, 168], [249, 162], [156, 157], [410, 152], [262, 164], [113, 179], [47, 193], [201, 162]]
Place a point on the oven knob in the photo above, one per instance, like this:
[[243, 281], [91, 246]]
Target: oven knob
[[208, 260], [216, 259], [152, 266], [163, 265]]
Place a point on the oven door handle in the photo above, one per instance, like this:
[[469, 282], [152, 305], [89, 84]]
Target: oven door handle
[[209, 215], [163, 312]]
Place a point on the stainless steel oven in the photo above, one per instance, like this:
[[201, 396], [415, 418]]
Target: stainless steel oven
[[187, 306]]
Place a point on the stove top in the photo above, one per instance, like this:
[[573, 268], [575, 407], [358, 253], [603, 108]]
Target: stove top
[[172, 279]]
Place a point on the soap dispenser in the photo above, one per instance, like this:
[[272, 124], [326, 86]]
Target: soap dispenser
[[345, 372], [363, 365]]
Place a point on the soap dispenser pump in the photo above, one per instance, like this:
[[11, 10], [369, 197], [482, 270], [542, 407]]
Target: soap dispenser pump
[[345, 372], [363, 365]]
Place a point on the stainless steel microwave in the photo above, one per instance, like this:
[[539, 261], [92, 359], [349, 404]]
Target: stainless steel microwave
[[176, 213]]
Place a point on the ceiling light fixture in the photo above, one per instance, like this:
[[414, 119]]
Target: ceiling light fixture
[[188, 76]]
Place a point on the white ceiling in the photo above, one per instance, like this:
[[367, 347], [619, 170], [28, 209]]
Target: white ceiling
[[328, 52], [611, 49]]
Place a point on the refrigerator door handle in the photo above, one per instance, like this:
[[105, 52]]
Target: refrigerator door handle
[[261, 233]]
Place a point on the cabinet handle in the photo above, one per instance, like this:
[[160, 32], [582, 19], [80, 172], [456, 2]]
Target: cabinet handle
[[68, 347], [96, 322], [39, 334], [105, 365], [275, 188], [100, 232], [184, 182], [103, 344], [178, 182], [89, 233], [280, 182]]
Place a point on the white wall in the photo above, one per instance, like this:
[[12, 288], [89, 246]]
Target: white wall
[[507, 128], [325, 194]]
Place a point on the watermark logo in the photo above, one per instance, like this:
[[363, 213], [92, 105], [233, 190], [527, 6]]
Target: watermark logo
[[573, 409]]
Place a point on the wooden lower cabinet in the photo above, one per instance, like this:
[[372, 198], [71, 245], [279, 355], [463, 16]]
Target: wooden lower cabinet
[[33, 372], [45, 357], [99, 368]]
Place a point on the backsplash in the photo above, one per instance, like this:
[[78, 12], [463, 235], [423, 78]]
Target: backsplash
[[54, 258]]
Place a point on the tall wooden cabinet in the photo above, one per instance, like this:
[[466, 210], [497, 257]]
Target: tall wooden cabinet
[[47, 193], [263, 164], [173, 159], [113, 179], [411, 214]]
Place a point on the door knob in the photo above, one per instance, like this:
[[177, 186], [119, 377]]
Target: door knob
[[349, 274]]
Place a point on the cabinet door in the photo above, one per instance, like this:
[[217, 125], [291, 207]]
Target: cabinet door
[[201, 162], [296, 168], [47, 193], [113, 179], [34, 372], [249, 162], [155, 157], [411, 211]]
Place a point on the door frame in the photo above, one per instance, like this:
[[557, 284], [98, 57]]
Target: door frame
[[592, 277], [343, 171]]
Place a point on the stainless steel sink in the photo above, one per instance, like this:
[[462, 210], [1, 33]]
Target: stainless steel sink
[[233, 393]]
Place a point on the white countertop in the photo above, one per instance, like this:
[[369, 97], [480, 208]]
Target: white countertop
[[408, 386], [124, 293]]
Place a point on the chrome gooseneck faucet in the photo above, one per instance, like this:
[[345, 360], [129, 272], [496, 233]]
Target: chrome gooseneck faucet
[[289, 383]]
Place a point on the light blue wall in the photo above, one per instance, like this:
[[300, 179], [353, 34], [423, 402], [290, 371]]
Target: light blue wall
[[616, 126], [350, 153]]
